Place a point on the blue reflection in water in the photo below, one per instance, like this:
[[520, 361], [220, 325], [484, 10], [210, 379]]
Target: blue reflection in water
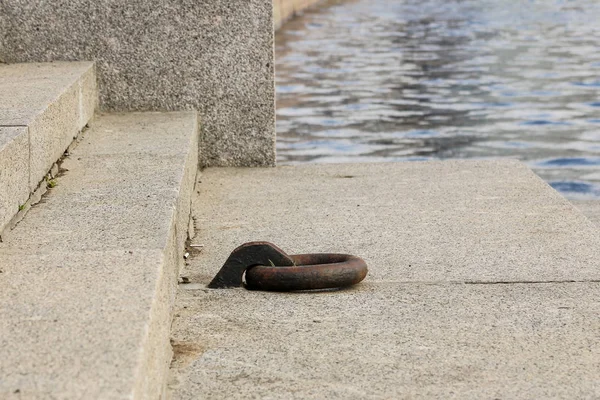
[[380, 80], [572, 162], [544, 122], [588, 84], [576, 188]]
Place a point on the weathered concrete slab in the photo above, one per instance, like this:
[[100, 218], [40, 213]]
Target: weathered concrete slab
[[452, 306], [589, 208], [389, 341], [47, 104], [213, 56], [88, 277], [439, 221], [14, 171]]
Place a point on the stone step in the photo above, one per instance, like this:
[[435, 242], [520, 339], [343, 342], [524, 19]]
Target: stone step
[[43, 106], [87, 278]]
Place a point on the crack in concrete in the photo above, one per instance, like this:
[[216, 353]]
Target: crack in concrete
[[529, 282], [508, 282]]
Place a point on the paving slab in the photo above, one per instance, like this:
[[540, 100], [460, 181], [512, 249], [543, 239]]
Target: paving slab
[[87, 279], [52, 102], [435, 221], [589, 208], [482, 283], [389, 341]]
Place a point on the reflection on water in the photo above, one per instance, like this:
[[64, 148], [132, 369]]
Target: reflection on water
[[401, 80]]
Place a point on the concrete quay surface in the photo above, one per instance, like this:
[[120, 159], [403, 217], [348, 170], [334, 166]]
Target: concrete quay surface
[[590, 208], [43, 106], [87, 278], [483, 283]]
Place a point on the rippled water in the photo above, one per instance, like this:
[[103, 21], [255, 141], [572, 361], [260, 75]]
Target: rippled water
[[394, 80]]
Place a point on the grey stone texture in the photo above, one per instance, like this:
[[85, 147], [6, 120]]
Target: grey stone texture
[[440, 221], [384, 340], [482, 283], [88, 277], [14, 171], [213, 56], [590, 208], [49, 103]]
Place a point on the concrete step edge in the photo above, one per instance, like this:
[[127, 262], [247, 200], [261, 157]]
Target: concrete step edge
[[88, 277]]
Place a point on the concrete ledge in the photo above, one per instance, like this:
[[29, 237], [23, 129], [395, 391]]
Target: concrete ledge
[[483, 283], [88, 277], [436, 221], [389, 341], [589, 208], [48, 104]]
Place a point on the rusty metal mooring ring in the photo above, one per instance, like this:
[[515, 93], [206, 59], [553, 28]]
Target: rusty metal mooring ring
[[267, 267], [311, 271]]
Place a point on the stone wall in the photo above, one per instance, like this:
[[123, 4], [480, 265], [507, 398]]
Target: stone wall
[[215, 56], [285, 9]]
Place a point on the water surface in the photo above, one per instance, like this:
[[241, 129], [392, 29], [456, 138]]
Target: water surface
[[404, 80]]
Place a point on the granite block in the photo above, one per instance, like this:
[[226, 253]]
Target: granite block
[[88, 277], [14, 172], [212, 56]]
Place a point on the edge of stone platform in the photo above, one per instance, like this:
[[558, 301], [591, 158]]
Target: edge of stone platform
[[156, 358]]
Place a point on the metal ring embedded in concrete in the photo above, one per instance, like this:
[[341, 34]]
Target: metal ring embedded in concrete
[[309, 272]]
